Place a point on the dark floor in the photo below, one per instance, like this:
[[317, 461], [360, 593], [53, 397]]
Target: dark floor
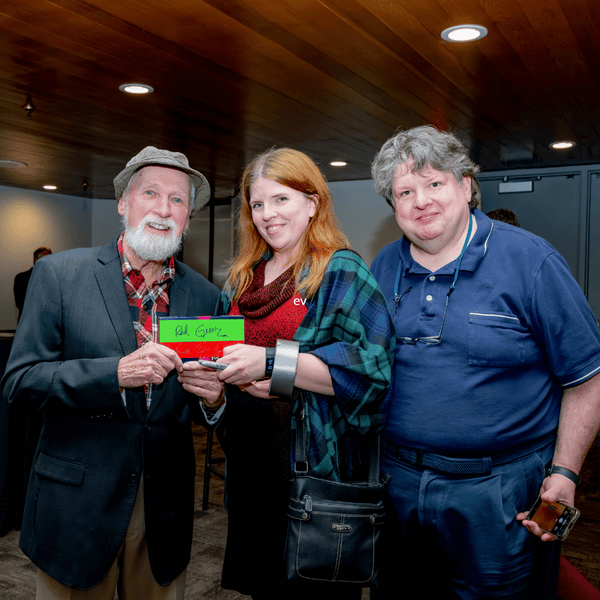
[[17, 574]]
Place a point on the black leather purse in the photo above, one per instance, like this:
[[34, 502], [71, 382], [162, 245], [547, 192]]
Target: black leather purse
[[333, 528]]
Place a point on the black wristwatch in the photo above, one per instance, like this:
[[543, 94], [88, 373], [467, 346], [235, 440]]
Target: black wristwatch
[[565, 473], [270, 361]]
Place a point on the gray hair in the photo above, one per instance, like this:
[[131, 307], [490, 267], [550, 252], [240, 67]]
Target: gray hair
[[427, 147], [191, 200]]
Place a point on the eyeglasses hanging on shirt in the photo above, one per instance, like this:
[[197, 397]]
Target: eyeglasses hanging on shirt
[[431, 340]]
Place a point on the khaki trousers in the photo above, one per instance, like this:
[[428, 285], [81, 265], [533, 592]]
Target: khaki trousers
[[130, 575]]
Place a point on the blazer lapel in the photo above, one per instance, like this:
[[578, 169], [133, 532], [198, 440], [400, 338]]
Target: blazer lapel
[[179, 296], [109, 275]]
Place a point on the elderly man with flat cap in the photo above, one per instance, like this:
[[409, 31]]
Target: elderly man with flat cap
[[111, 496]]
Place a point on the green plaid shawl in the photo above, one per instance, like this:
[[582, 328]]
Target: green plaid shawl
[[348, 326]]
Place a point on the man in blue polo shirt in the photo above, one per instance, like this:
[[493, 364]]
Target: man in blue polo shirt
[[495, 396]]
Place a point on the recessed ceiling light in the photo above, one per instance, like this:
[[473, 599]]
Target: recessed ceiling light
[[338, 163], [11, 164], [464, 33], [562, 145], [136, 88], [49, 187]]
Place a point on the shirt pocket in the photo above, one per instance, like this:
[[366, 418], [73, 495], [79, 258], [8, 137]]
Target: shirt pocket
[[496, 340]]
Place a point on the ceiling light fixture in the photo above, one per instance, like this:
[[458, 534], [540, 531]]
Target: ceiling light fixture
[[464, 33], [28, 107], [338, 163], [49, 187], [11, 164], [136, 88], [562, 145]]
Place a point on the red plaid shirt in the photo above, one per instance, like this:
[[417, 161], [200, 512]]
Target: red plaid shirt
[[146, 303]]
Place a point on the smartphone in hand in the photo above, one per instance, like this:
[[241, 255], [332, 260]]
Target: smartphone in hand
[[555, 518]]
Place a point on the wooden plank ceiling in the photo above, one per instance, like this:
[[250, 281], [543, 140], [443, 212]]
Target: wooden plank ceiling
[[334, 78]]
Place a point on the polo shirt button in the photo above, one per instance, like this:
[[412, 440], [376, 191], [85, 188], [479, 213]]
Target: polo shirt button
[[133, 478], [429, 298], [432, 278], [148, 427]]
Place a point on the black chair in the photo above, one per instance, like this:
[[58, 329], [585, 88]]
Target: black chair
[[209, 467]]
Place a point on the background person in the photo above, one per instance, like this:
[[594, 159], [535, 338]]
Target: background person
[[293, 278], [111, 497], [504, 214], [22, 279], [496, 369]]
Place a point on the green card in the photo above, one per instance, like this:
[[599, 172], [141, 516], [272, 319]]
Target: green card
[[200, 337]]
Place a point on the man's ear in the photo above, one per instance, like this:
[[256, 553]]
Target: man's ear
[[122, 205], [466, 186]]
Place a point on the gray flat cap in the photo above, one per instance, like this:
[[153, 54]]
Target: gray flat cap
[[151, 156]]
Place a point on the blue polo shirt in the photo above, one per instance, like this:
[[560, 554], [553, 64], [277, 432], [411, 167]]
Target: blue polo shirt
[[518, 330]]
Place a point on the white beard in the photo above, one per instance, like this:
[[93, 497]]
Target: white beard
[[152, 246]]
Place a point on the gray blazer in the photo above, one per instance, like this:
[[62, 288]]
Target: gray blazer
[[94, 448]]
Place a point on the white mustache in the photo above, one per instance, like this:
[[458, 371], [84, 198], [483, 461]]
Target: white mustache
[[156, 222]]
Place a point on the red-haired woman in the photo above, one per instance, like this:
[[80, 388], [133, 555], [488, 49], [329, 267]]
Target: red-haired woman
[[293, 279]]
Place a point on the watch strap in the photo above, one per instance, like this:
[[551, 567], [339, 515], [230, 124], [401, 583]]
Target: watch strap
[[565, 473]]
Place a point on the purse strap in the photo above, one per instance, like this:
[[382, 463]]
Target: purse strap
[[301, 452]]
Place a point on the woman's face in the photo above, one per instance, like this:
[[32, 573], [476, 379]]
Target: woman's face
[[280, 214]]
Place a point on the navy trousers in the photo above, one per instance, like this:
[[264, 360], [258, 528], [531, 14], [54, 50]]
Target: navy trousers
[[456, 536]]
